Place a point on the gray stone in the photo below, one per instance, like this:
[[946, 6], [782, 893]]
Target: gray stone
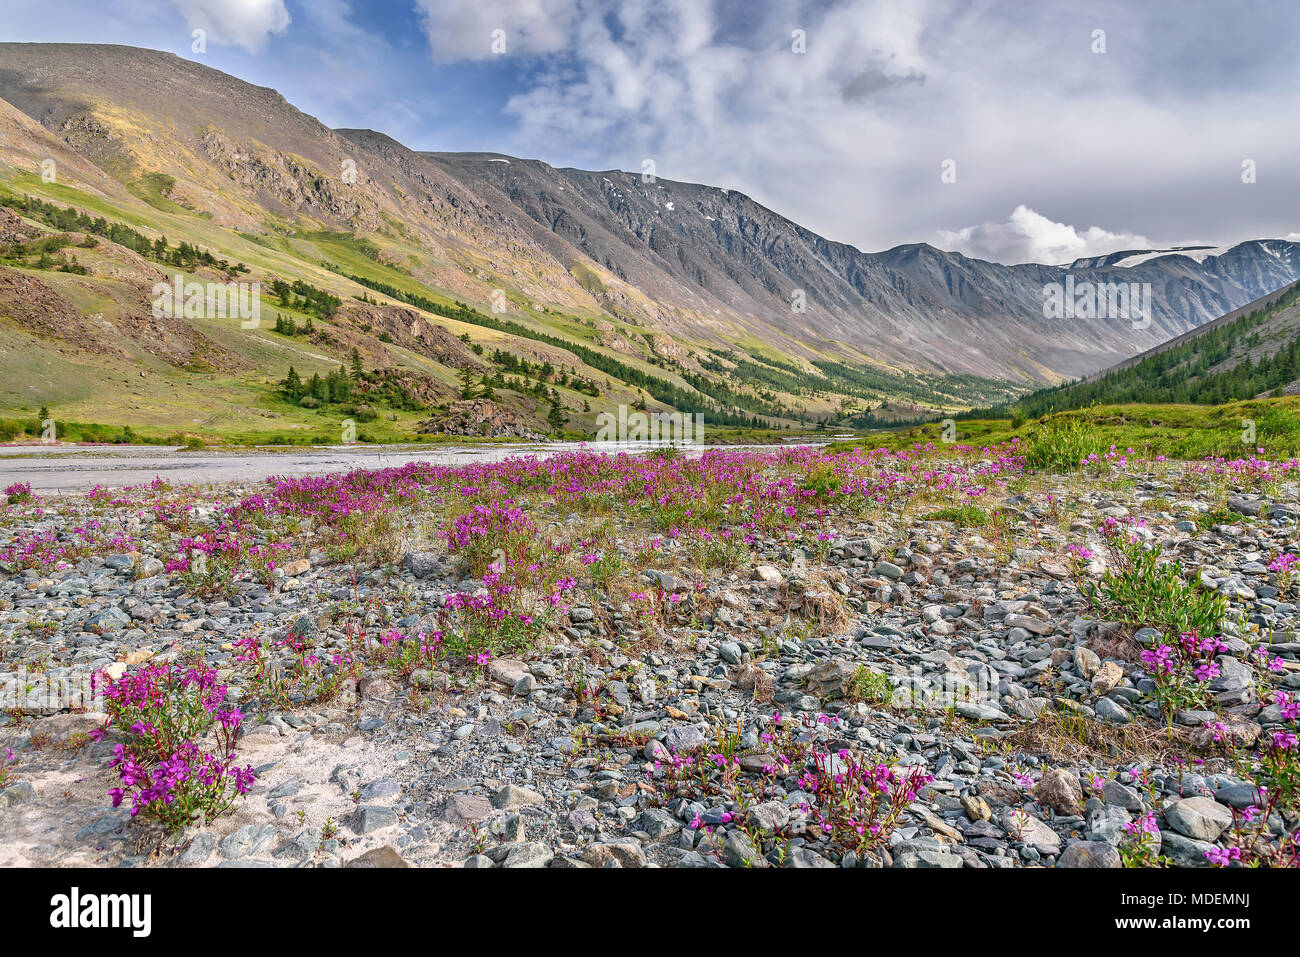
[[888, 570], [925, 857], [423, 564], [1089, 854], [658, 823], [626, 853], [1086, 662], [1121, 795], [1029, 830], [770, 816], [108, 621], [683, 737], [466, 808], [1200, 818], [383, 788], [1184, 851], [1060, 790], [1109, 710], [528, 855], [1106, 824], [1233, 675], [198, 850], [805, 857], [372, 817], [738, 851], [248, 841], [513, 796], [17, 793], [386, 857]]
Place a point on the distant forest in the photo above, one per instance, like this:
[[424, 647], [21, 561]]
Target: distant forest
[[1184, 373]]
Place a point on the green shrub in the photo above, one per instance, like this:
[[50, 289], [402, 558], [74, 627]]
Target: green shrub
[[871, 687], [1142, 590], [1060, 444], [963, 516]]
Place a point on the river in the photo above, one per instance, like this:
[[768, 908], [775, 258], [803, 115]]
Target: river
[[73, 468]]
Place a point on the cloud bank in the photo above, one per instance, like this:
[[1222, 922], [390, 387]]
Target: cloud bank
[[841, 114], [1027, 236]]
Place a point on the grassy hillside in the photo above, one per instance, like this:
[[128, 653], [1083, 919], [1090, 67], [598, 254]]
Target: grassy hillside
[[1243, 357], [1063, 439], [101, 257]]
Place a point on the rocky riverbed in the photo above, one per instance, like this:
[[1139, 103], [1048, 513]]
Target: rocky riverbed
[[728, 642]]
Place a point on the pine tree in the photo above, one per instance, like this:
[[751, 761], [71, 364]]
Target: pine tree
[[466, 384], [319, 389], [292, 384]]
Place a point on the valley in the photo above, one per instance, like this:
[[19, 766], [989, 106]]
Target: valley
[[437, 280], [323, 543]]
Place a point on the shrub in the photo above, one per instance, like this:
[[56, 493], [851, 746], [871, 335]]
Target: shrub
[[1061, 444], [963, 516], [168, 766], [18, 492], [1142, 589], [1182, 671], [488, 533], [1273, 766], [869, 686]]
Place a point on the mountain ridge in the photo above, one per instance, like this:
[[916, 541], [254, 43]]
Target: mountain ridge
[[664, 273]]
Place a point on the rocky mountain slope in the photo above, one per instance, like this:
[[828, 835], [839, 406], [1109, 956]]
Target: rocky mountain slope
[[690, 284]]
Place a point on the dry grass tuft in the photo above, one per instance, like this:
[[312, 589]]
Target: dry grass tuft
[[750, 677], [1118, 645], [1067, 736]]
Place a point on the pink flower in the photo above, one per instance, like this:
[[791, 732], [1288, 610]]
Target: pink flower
[[1223, 856]]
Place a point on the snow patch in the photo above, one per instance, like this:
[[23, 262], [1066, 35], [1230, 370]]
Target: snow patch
[[1199, 255]]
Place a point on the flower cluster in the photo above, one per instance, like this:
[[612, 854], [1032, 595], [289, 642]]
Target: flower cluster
[[18, 493], [1284, 567], [853, 802], [1181, 670], [1273, 766], [177, 761]]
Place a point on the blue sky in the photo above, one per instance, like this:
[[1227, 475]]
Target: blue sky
[[1065, 141]]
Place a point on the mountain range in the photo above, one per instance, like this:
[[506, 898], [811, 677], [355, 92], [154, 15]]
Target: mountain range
[[628, 288]]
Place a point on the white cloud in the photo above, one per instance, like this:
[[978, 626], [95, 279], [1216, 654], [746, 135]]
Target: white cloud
[[729, 103], [464, 30], [1028, 236], [847, 138], [245, 23]]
